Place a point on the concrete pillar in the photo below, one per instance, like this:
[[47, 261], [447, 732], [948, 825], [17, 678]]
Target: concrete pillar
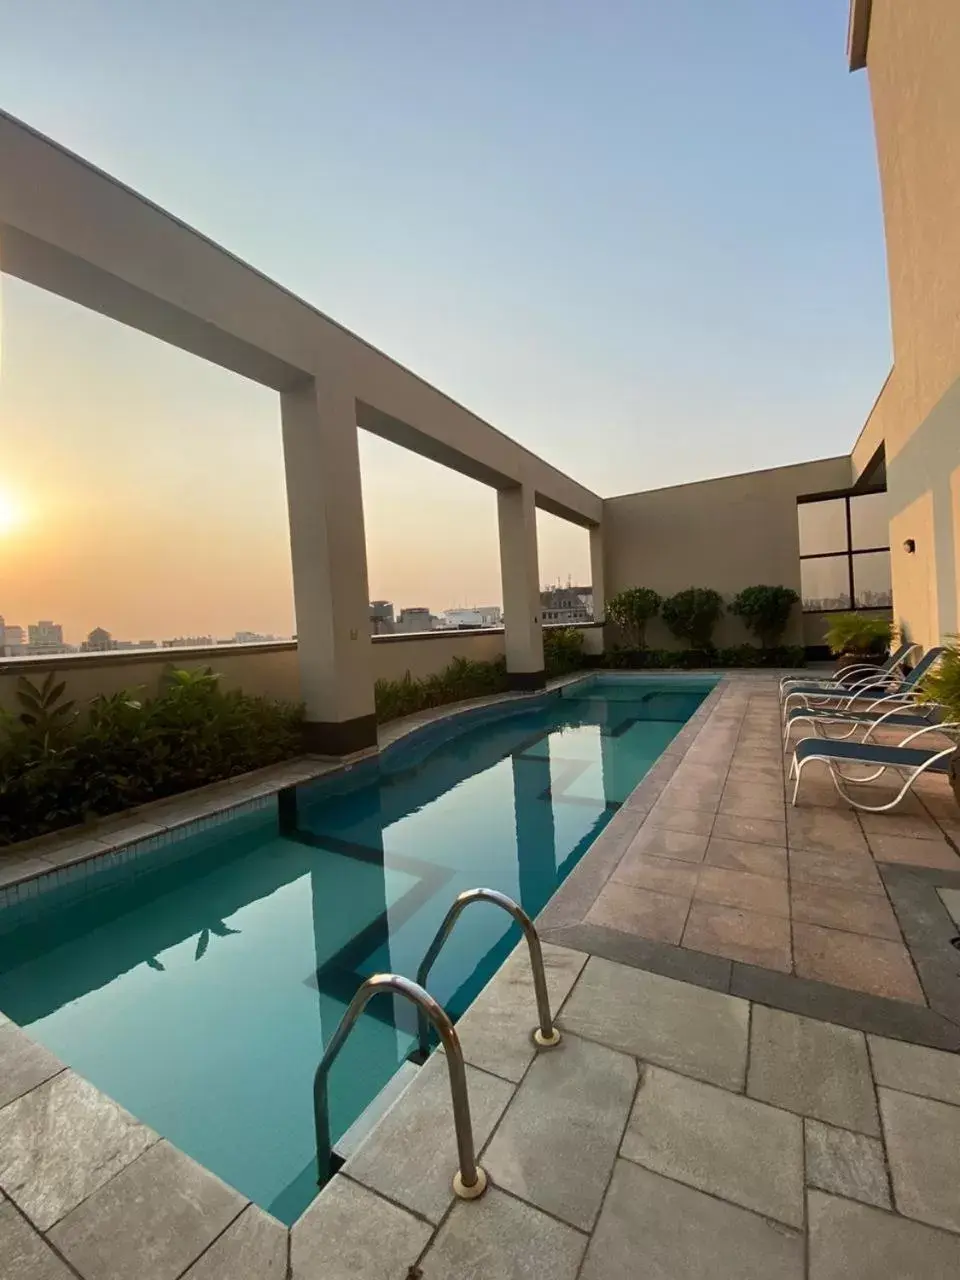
[[329, 556], [520, 576], [597, 573]]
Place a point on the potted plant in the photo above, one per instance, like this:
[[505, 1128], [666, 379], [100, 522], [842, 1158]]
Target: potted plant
[[942, 685], [858, 639], [765, 611]]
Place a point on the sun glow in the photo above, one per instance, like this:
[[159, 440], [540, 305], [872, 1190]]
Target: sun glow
[[11, 512]]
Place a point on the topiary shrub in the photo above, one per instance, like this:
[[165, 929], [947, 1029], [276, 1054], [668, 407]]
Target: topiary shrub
[[692, 615], [631, 610], [765, 611]]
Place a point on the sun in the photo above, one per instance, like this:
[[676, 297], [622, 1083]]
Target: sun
[[10, 512]]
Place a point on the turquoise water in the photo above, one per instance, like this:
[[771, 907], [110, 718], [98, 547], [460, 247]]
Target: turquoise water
[[198, 986]]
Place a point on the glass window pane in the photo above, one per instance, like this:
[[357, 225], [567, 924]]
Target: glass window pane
[[871, 579], [869, 521], [825, 584], [823, 526]]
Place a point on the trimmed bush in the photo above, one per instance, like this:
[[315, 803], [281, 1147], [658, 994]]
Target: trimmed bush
[[460, 680], [692, 615], [631, 610], [765, 611], [744, 655], [57, 769]]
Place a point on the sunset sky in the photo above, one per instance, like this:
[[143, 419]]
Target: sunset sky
[[643, 239]]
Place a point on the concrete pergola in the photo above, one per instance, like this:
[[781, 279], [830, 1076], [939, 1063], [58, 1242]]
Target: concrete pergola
[[67, 227]]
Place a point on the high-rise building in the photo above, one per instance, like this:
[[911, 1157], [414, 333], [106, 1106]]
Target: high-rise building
[[46, 637], [381, 617], [565, 605], [98, 640], [415, 619], [12, 640]]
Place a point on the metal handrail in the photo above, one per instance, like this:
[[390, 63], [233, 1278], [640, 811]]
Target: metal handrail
[[470, 1181], [546, 1035]]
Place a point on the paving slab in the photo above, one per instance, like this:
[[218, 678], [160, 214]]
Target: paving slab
[[499, 1238], [721, 1142], [496, 1031], [815, 1068], [658, 916], [349, 1233], [674, 1024], [24, 1254], [874, 965], [411, 1156], [254, 1246], [23, 1062], [911, 1068], [923, 1147], [850, 1241], [951, 900], [846, 1163], [60, 1142], [558, 1139], [151, 1221], [654, 1228]]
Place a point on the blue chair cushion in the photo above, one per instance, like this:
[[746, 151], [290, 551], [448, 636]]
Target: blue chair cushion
[[868, 753]]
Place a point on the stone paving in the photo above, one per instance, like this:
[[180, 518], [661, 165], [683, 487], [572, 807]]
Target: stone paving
[[743, 1099]]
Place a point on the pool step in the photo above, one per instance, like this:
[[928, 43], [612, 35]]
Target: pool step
[[374, 1111]]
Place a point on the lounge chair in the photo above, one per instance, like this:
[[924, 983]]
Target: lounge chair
[[906, 759], [896, 710], [842, 698], [853, 674]]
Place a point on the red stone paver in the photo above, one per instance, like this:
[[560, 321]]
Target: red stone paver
[[847, 871], [765, 894], [663, 875], [914, 853], [659, 916], [751, 830], [739, 935], [874, 965], [837, 908], [661, 843], [762, 860]]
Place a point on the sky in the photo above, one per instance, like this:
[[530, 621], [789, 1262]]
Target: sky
[[643, 239]]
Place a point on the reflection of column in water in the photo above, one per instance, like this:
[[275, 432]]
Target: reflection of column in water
[[609, 753], [536, 842]]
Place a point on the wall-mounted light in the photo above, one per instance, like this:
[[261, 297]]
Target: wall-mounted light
[[910, 546]]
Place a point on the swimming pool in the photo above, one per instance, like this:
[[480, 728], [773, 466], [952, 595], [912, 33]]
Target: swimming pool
[[197, 986]]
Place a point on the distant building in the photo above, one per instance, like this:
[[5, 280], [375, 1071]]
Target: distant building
[[248, 637], [98, 641], [46, 637], [187, 642], [415, 619], [13, 642], [382, 621], [566, 605], [460, 620]]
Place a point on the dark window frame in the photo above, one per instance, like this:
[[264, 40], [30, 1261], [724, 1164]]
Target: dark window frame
[[848, 552]]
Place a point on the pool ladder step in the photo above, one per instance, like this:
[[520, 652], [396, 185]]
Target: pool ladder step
[[470, 1181]]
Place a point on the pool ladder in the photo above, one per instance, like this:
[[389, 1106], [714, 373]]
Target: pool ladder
[[470, 1181]]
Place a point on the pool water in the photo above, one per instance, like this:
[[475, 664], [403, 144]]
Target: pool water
[[198, 986]]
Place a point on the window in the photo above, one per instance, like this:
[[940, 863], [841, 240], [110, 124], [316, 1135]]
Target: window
[[844, 552]]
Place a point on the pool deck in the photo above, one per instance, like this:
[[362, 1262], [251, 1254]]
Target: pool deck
[[758, 1075]]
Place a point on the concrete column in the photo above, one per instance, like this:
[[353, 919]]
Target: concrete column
[[329, 556], [597, 573], [520, 576]]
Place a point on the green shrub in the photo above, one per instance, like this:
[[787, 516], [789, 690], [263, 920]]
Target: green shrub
[[460, 680], [745, 655], [57, 769], [765, 611], [942, 683], [864, 634], [631, 610], [562, 650], [692, 615]]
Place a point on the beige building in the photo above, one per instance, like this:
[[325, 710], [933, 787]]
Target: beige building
[[844, 532]]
